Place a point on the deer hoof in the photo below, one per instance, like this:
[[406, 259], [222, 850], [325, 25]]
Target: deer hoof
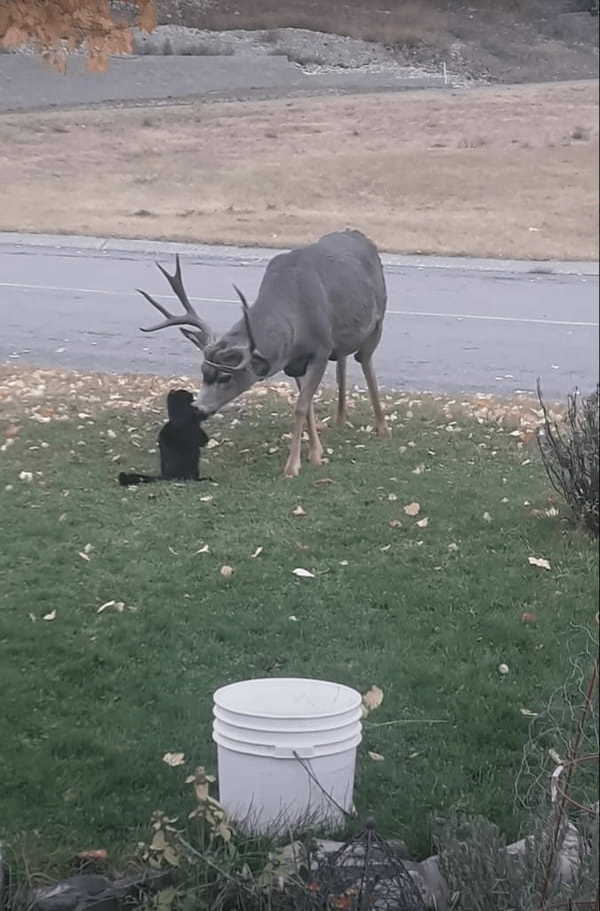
[[316, 456], [292, 470]]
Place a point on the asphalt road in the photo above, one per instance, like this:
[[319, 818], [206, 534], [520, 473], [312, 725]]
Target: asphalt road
[[447, 329], [26, 84]]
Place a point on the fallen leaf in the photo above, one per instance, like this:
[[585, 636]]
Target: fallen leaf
[[371, 700], [212, 443], [293, 619], [385, 548], [84, 556], [539, 561], [99, 854], [323, 481], [528, 617], [419, 469], [453, 546], [554, 778], [376, 757], [226, 571], [298, 511], [256, 553], [503, 669], [174, 759], [50, 616], [395, 523], [528, 714], [88, 548], [487, 517], [203, 550], [172, 551], [412, 509], [303, 573], [119, 606], [392, 497], [26, 476], [423, 523]]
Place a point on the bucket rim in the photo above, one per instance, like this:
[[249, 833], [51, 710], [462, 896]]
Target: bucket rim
[[328, 722], [356, 698]]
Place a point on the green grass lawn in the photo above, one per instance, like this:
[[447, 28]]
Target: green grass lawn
[[91, 701]]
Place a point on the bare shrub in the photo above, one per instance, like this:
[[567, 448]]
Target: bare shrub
[[555, 867], [570, 453], [472, 142], [580, 133]]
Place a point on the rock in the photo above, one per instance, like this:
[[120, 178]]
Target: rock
[[4, 881], [76, 894], [569, 855], [429, 881], [88, 891]]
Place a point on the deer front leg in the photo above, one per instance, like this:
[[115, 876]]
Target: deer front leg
[[304, 413], [340, 369]]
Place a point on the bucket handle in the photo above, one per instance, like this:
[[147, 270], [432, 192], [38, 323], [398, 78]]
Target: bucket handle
[[302, 753], [313, 777]]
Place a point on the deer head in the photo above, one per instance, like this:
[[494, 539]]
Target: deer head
[[231, 364]]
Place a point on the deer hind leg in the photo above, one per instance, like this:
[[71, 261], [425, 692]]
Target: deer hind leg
[[304, 414], [340, 369], [315, 450], [364, 357]]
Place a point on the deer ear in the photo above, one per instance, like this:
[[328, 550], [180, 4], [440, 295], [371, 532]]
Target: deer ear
[[259, 364]]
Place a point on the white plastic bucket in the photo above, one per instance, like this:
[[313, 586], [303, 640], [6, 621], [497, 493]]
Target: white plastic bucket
[[286, 751]]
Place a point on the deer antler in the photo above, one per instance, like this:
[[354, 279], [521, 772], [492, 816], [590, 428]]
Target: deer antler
[[245, 310], [200, 338], [252, 349]]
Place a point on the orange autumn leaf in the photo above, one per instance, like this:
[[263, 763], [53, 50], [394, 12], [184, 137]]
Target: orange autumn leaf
[[53, 28]]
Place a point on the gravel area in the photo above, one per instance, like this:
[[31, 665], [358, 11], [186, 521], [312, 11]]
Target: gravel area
[[314, 52]]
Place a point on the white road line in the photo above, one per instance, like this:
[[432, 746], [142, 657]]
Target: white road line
[[223, 300]]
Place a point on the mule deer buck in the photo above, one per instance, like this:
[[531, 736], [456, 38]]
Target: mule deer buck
[[315, 304]]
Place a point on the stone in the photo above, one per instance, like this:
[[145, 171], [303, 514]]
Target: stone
[[88, 891], [4, 881], [569, 855], [76, 893], [430, 882]]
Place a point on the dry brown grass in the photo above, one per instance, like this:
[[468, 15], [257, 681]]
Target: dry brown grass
[[488, 172]]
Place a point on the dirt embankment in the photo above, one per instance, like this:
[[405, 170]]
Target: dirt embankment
[[501, 172], [504, 40]]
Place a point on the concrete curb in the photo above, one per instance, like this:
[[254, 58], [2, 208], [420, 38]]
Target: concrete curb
[[260, 255]]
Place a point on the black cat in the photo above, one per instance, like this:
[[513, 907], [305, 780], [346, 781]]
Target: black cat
[[179, 441]]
